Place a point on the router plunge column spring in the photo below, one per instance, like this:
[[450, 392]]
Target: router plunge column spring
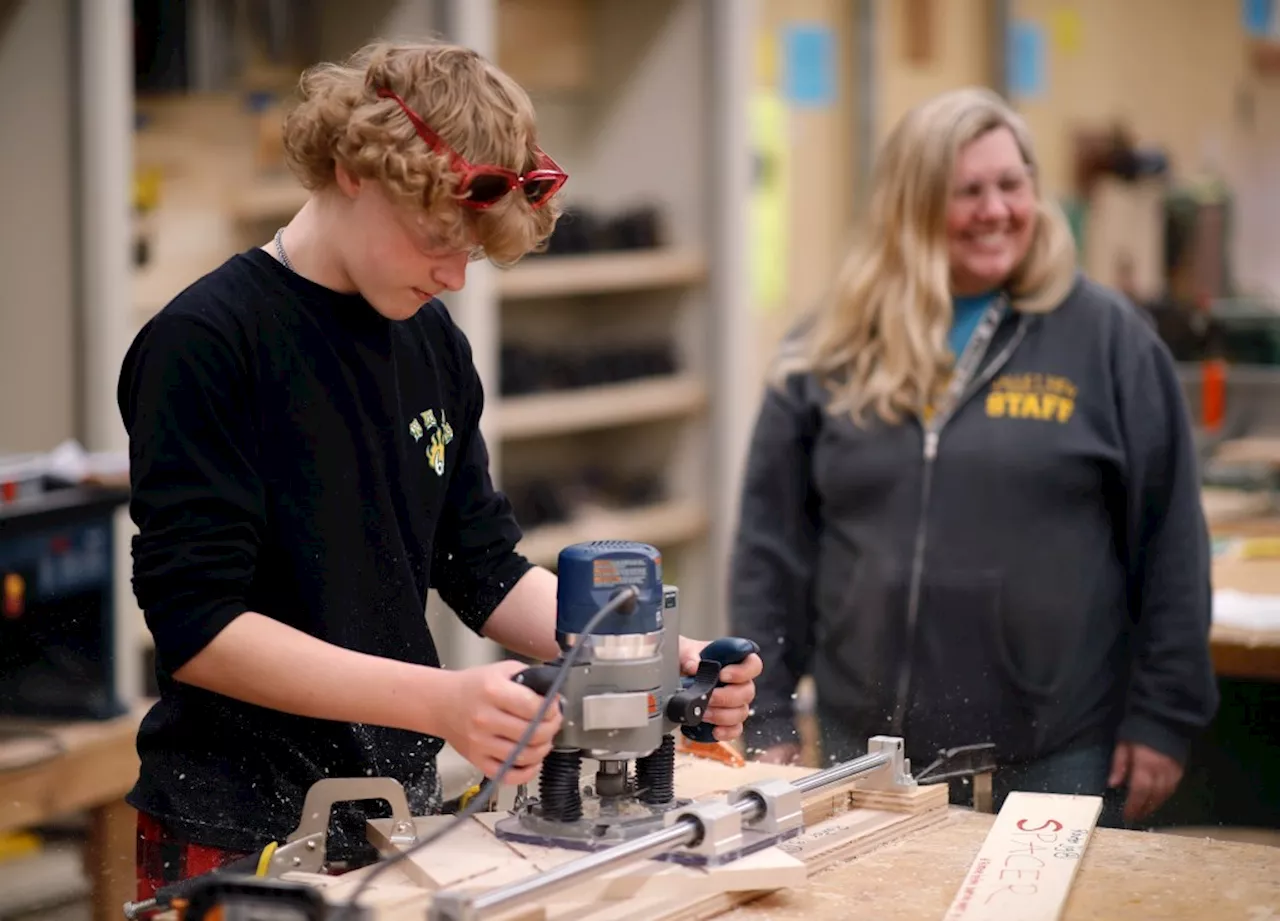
[[560, 791], [655, 774]]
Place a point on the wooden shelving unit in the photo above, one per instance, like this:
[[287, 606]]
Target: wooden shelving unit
[[664, 524], [268, 200], [650, 114], [604, 273], [215, 198]]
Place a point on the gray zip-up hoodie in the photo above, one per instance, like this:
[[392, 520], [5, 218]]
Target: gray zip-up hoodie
[[1036, 576]]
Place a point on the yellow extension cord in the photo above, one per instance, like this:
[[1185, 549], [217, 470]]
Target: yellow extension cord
[[264, 859]]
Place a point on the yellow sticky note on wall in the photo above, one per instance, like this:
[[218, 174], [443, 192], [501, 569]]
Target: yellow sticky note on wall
[[1065, 29], [1261, 548], [768, 208]]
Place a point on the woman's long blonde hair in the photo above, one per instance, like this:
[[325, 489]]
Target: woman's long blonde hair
[[879, 339]]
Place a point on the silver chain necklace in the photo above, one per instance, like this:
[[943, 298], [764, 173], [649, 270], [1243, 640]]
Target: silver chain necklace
[[284, 257]]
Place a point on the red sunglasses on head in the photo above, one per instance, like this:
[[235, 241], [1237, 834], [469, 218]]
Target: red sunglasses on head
[[484, 186]]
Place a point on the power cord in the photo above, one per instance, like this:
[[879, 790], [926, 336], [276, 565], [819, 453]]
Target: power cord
[[623, 600]]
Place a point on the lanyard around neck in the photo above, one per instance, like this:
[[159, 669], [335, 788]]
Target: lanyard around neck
[[968, 363]]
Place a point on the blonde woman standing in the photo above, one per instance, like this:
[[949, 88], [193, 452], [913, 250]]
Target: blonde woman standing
[[971, 508]]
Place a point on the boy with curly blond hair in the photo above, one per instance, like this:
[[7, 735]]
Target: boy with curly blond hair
[[306, 462]]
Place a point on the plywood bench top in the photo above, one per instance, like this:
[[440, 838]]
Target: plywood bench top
[[1125, 875]]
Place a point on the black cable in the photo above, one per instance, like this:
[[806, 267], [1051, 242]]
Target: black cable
[[620, 600]]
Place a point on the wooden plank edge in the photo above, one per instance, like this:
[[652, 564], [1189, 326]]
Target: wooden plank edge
[[920, 799], [848, 796]]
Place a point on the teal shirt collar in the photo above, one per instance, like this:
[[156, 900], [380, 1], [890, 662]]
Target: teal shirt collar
[[966, 314]]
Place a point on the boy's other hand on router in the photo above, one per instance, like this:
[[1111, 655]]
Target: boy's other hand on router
[[731, 704]]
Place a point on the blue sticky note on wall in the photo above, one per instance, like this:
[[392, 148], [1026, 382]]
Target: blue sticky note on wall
[[1025, 59], [1259, 17], [809, 65]]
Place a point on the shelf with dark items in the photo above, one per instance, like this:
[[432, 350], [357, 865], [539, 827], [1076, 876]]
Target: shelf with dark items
[[642, 399], [528, 367], [600, 353], [598, 407], [662, 524], [592, 342], [597, 461], [557, 498], [595, 252]]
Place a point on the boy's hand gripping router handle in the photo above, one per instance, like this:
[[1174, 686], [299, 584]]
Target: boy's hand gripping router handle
[[688, 706], [537, 678]]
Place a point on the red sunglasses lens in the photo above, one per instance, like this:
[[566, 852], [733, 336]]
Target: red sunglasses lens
[[539, 190], [486, 188]]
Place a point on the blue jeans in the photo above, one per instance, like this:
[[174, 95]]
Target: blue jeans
[[1081, 771]]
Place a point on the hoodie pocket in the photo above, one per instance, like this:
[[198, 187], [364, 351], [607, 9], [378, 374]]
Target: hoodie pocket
[[860, 641], [967, 687]]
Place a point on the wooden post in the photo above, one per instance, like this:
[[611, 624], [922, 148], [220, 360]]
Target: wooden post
[[110, 859]]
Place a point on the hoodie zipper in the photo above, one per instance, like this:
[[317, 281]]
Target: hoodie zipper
[[932, 432]]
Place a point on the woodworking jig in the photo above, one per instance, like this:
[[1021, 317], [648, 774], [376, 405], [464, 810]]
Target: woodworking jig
[[696, 865], [652, 827]]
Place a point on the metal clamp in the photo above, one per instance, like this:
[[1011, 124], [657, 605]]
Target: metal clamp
[[783, 805], [962, 761], [975, 762], [304, 849], [896, 773], [719, 827]]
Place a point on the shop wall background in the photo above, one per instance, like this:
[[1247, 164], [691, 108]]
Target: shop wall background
[[1176, 73], [37, 233]]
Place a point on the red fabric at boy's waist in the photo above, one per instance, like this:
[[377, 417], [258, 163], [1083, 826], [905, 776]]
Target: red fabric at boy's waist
[[163, 859]]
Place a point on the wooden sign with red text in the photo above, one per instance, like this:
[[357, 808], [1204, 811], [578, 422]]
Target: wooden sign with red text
[[1025, 867]]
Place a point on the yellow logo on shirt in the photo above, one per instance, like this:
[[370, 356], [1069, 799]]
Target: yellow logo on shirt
[[1042, 397], [441, 434]]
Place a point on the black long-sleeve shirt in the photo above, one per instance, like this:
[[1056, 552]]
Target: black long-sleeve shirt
[[294, 453]]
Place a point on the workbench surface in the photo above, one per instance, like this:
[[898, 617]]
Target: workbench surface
[[50, 769], [1125, 875], [1250, 653]]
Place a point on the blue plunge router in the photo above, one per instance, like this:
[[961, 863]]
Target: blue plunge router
[[623, 699]]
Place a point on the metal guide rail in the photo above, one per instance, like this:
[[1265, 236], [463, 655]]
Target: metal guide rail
[[714, 832]]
